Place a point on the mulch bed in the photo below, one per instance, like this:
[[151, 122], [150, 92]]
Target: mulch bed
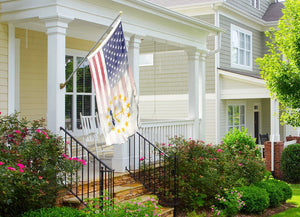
[[268, 212]]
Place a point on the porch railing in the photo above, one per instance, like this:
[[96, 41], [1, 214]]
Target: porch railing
[[94, 179], [155, 169], [161, 131]]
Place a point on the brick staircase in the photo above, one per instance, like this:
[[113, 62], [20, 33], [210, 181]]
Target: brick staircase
[[125, 189]]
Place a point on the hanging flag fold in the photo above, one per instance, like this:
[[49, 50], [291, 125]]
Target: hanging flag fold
[[115, 89]]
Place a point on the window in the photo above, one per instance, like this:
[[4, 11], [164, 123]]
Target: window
[[255, 3], [241, 48], [80, 96], [236, 117]]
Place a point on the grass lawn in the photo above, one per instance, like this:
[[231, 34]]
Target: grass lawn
[[295, 200]]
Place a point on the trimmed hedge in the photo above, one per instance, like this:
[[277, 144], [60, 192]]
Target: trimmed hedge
[[284, 188], [275, 193], [255, 198], [290, 160]]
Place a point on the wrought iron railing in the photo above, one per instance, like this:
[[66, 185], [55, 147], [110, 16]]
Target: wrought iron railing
[[154, 168], [94, 179]]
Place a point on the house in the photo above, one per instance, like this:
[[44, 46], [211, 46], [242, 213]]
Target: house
[[236, 96], [42, 42]]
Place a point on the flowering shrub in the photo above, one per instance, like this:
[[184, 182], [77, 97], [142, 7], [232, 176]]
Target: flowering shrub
[[32, 166], [229, 203], [204, 168], [132, 208]]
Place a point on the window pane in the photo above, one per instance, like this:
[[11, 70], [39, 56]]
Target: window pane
[[236, 115], [68, 112], [235, 55], [84, 79], [83, 106], [242, 115], [69, 70], [248, 42], [242, 40], [235, 39], [230, 115], [242, 57], [248, 58], [257, 4]]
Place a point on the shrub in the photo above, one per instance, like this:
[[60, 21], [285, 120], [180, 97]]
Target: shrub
[[55, 212], [256, 199], [284, 188], [32, 166], [229, 203], [290, 160], [275, 193]]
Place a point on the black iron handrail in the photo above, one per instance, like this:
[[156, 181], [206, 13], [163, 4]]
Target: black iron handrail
[[156, 170], [94, 179]]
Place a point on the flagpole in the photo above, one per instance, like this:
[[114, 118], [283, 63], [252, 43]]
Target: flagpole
[[62, 85]]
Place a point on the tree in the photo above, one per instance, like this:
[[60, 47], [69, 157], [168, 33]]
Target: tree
[[280, 67]]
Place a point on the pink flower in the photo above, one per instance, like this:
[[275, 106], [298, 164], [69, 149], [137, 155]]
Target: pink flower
[[240, 152], [209, 145], [219, 150], [64, 155], [169, 145], [141, 159], [240, 164], [0, 113], [17, 131], [163, 143], [70, 158], [11, 168], [75, 158], [83, 162], [9, 135], [161, 154], [21, 170], [215, 158], [40, 177], [1, 163], [38, 131], [20, 165], [68, 142]]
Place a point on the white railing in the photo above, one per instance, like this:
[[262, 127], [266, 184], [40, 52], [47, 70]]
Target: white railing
[[162, 131]]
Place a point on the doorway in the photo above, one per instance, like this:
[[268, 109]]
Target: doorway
[[256, 126]]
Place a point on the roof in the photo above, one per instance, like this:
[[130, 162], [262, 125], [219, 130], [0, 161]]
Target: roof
[[274, 12], [258, 76], [172, 3]]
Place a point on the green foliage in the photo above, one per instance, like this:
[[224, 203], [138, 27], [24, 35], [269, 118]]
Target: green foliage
[[275, 193], [55, 212], [132, 208], [255, 198], [32, 168], [280, 68], [284, 188], [206, 170], [290, 161], [230, 203], [195, 214]]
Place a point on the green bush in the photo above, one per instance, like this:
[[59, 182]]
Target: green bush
[[55, 212], [274, 191], [284, 188], [206, 170], [290, 161], [256, 199], [32, 166]]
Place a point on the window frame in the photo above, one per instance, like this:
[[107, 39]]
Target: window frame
[[255, 4], [233, 46], [227, 116], [81, 54]]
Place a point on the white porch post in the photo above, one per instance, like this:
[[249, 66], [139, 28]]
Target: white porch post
[[275, 136], [56, 31], [121, 151], [11, 70], [197, 91]]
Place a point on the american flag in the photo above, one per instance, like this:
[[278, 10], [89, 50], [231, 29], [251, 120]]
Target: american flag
[[115, 88]]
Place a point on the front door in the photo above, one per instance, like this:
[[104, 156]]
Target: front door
[[256, 126]]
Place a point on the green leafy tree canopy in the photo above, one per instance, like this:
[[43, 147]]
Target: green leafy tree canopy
[[280, 67]]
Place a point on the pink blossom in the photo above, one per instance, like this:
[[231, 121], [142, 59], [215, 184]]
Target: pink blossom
[[141, 159], [21, 170], [209, 145], [75, 158], [83, 162], [40, 177], [215, 158], [20, 165], [240, 152], [1, 163], [240, 164], [11, 168], [38, 131], [64, 155], [9, 135], [169, 145], [68, 142], [0, 113], [219, 150], [163, 144], [17, 131], [161, 153]]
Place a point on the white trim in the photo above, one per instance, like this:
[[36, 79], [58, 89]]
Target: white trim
[[11, 69], [247, 33], [241, 77], [253, 3], [235, 104], [17, 74]]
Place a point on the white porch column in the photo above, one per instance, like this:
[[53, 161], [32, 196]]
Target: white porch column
[[275, 123], [56, 31], [11, 70], [197, 92], [121, 151]]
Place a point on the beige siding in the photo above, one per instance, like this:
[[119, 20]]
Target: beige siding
[[33, 74], [210, 119], [244, 5], [3, 68], [266, 116], [78, 44], [168, 75], [164, 107]]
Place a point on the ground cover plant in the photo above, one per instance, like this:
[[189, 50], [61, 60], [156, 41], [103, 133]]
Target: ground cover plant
[[33, 166]]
